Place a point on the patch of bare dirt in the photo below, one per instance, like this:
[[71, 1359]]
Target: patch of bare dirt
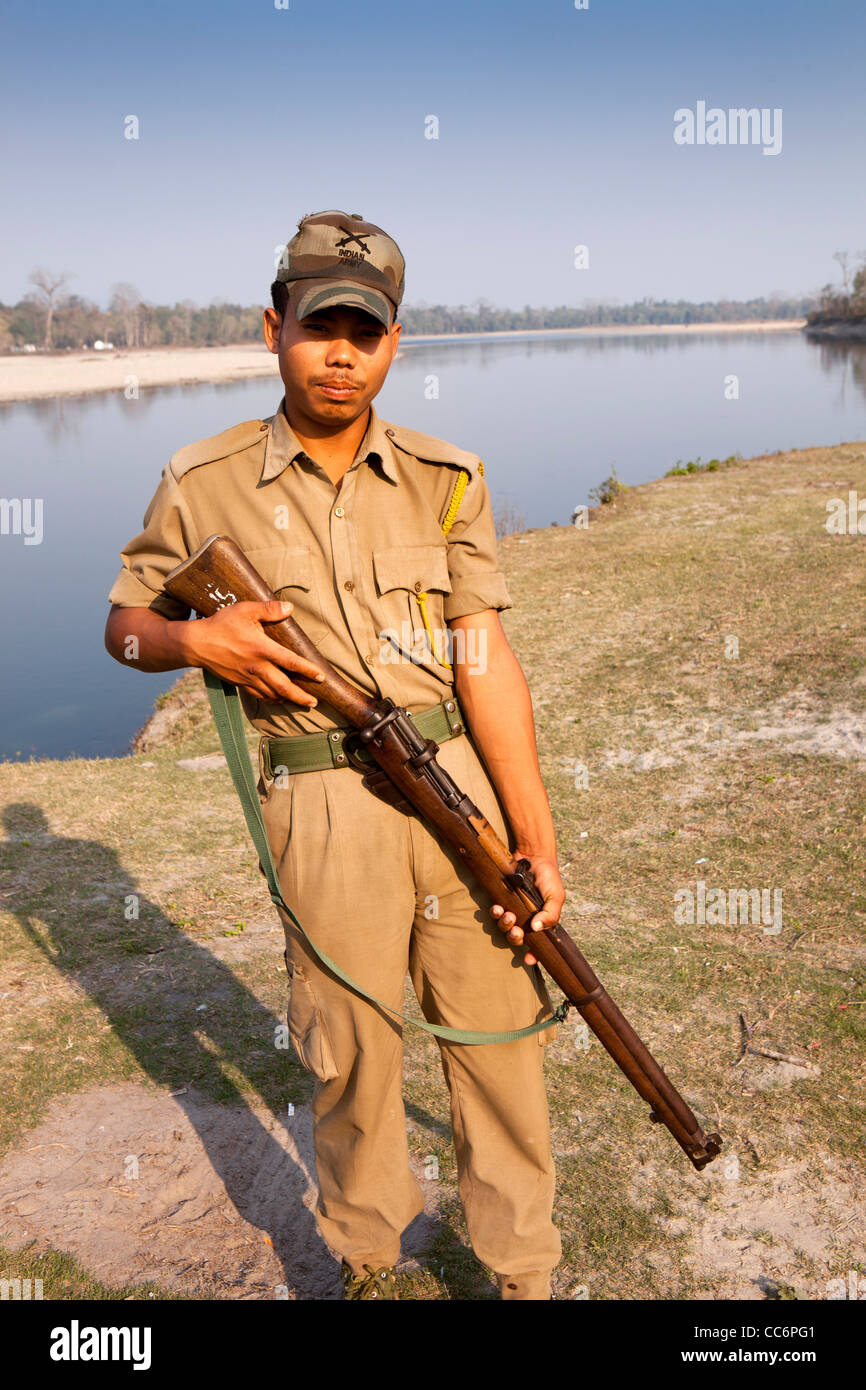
[[141, 1185], [798, 722], [799, 1225]]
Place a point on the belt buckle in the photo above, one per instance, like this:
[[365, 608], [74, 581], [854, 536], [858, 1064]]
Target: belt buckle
[[267, 766]]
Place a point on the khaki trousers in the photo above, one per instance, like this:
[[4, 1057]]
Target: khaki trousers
[[381, 894]]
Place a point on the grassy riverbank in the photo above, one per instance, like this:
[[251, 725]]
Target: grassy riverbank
[[700, 650]]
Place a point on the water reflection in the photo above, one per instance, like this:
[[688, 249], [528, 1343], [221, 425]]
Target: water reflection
[[843, 361]]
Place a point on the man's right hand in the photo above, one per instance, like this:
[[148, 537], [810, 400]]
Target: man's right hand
[[233, 644]]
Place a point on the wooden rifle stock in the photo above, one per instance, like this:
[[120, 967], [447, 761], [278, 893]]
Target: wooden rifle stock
[[218, 575]]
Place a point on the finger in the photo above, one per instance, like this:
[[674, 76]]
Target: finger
[[270, 611], [290, 661], [251, 680], [515, 936], [278, 688], [548, 916], [273, 611], [256, 689]]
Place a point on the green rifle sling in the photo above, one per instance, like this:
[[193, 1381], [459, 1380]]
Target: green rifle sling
[[225, 705]]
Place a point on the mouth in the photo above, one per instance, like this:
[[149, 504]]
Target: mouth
[[337, 390]]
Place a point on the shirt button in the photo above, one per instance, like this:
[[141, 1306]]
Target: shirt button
[[369, 660], [417, 586], [339, 511], [348, 586]]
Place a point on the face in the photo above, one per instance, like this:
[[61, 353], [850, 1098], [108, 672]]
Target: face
[[332, 363]]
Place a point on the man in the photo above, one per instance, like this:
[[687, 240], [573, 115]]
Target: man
[[381, 543]]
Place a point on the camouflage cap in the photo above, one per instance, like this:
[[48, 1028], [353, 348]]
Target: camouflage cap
[[338, 258]]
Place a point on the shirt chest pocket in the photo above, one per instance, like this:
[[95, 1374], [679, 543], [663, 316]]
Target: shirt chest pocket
[[412, 581], [289, 572]]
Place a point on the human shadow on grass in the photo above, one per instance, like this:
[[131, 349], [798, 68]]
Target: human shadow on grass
[[151, 980]]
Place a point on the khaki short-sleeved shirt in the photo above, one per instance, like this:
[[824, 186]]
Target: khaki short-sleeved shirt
[[352, 559]]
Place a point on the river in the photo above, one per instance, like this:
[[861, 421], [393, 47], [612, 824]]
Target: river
[[550, 417]]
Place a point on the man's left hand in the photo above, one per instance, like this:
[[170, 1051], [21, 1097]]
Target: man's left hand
[[547, 877]]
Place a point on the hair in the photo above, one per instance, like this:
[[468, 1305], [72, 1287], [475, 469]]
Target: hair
[[280, 296], [280, 299]]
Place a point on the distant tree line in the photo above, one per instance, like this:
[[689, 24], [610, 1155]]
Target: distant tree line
[[848, 301], [483, 317], [49, 317]]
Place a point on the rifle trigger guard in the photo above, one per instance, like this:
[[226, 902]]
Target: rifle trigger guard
[[358, 759]]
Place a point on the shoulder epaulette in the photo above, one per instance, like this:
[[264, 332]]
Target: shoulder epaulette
[[218, 446], [432, 450]]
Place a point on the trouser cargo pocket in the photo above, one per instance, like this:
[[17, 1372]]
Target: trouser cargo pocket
[[308, 1029]]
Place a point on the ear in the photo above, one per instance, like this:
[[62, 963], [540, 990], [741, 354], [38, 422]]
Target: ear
[[272, 323]]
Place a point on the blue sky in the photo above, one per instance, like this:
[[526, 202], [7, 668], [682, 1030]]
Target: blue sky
[[555, 129]]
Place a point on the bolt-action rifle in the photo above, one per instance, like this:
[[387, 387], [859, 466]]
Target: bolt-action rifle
[[405, 772]]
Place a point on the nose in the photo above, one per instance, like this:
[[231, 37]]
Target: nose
[[340, 352]]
